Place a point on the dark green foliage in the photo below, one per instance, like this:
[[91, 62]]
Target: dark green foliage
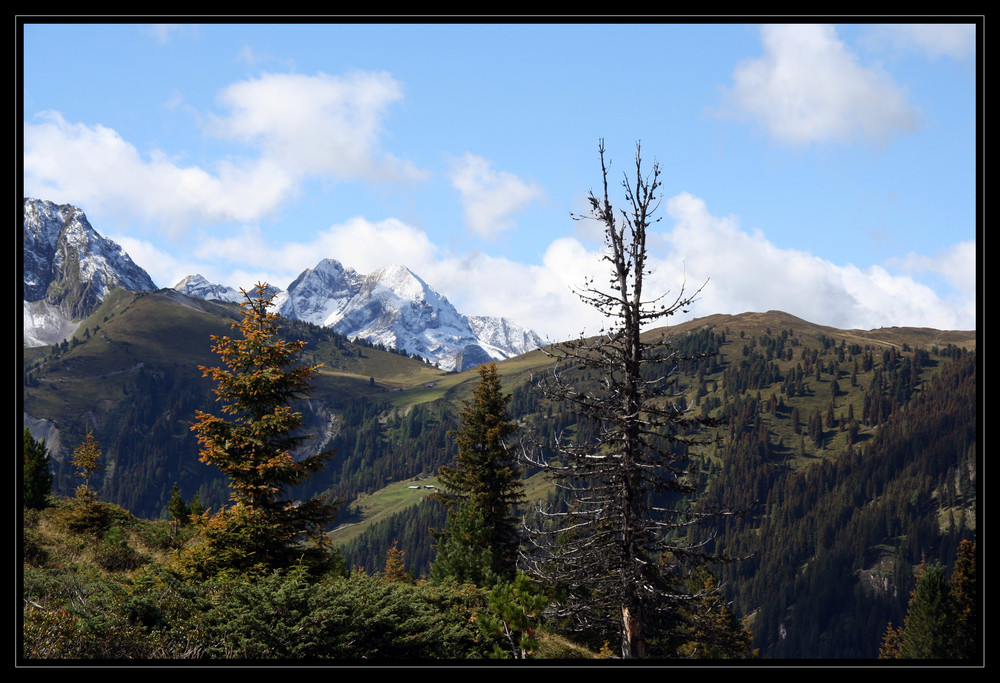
[[36, 473], [409, 528], [965, 604], [834, 543], [942, 618], [286, 616], [516, 613], [710, 630], [464, 553], [115, 554]]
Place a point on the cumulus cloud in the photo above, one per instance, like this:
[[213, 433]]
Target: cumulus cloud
[[809, 87], [95, 167], [489, 197], [301, 127], [248, 254], [749, 273], [317, 125]]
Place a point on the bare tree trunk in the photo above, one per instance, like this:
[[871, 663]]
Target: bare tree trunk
[[633, 644]]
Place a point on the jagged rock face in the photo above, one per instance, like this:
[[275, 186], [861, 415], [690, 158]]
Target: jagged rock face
[[320, 295], [503, 338], [68, 264], [68, 268]]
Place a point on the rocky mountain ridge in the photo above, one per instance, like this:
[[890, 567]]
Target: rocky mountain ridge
[[69, 266]]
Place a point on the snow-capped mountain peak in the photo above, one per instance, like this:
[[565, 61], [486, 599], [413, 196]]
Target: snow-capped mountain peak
[[198, 286], [393, 306], [68, 269]]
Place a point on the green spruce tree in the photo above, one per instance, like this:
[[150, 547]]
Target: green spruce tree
[[965, 603], [482, 491]]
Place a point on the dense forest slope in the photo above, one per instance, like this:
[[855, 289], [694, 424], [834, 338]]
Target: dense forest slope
[[856, 450]]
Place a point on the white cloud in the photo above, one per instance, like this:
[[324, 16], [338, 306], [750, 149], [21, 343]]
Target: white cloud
[[303, 126], [357, 243], [749, 273], [745, 272], [315, 125], [95, 167], [809, 87], [489, 197]]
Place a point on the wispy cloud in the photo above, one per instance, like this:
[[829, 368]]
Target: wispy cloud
[[490, 197], [954, 41]]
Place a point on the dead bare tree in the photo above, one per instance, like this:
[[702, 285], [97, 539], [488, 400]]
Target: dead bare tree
[[616, 546]]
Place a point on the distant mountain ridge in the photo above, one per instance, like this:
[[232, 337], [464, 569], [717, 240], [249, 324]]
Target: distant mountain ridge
[[69, 267], [391, 306]]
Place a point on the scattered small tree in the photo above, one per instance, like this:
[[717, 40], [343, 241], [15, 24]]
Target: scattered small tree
[[395, 565], [624, 472], [87, 460], [179, 509], [36, 475], [253, 442], [480, 542]]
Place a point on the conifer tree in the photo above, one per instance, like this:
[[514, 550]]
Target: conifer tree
[[36, 476], [605, 544], [942, 618], [179, 509], [482, 490], [253, 442], [395, 565]]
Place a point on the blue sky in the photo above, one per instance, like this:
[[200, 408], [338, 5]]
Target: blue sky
[[829, 171]]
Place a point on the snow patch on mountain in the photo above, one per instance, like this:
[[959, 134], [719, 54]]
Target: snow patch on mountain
[[44, 325]]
